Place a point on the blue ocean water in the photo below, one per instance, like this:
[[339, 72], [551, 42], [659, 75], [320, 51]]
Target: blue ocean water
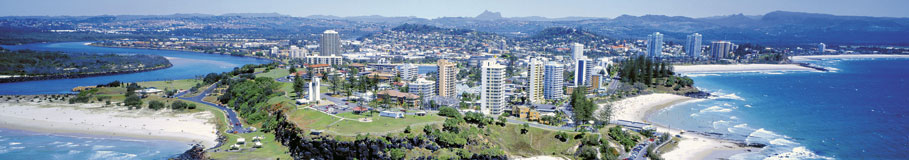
[[186, 65], [858, 111], [15, 144]]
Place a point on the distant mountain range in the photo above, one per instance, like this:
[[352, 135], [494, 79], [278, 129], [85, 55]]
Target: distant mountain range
[[774, 28]]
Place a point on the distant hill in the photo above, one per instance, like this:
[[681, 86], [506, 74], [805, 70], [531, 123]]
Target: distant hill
[[565, 33], [422, 29], [487, 15]]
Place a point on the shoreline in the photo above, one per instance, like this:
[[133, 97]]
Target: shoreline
[[165, 49], [692, 145], [846, 56], [16, 78], [731, 68], [118, 122]]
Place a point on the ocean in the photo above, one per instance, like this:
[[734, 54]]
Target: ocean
[[16, 144], [856, 111]]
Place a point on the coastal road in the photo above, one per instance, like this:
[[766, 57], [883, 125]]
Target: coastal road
[[537, 125], [231, 115]]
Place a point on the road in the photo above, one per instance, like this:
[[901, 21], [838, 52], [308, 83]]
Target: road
[[613, 86], [537, 125], [231, 115]]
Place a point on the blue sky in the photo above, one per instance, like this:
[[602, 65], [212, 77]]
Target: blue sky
[[461, 8]]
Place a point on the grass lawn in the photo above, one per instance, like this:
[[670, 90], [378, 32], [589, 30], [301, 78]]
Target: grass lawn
[[381, 125], [274, 73], [171, 84], [308, 119], [535, 142], [271, 149]]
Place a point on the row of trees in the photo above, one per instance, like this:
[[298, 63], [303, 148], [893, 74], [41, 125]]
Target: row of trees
[[644, 70], [177, 105]]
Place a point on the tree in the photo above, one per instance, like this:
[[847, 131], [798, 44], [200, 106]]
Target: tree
[[298, 86], [582, 107], [525, 128], [449, 112], [155, 105], [605, 113], [451, 124], [407, 130], [133, 101], [502, 121]]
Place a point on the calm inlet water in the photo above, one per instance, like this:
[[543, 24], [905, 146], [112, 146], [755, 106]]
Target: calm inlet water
[[16, 144], [186, 65], [859, 111]]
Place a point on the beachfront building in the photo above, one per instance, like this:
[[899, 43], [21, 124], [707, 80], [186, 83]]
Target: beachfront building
[[552, 80], [448, 72], [421, 87], [720, 49], [408, 71], [492, 88], [655, 45], [693, 46], [330, 44], [535, 75]]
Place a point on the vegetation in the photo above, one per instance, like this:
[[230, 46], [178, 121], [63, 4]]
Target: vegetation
[[582, 107], [627, 140], [42, 65], [249, 98]]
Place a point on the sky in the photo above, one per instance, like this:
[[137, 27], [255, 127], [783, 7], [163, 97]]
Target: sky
[[454, 8]]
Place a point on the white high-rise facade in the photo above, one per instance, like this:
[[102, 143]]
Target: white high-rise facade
[[536, 75], [330, 44], [408, 71], [577, 51], [655, 45], [492, 88], [553, 80], [693, 45], [422, 87]]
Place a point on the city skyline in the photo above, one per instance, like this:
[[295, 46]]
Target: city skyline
[[437, 9]]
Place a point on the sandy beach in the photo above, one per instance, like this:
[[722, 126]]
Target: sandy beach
[[724, 68], [637, 108], [846, 56], [94, 119], [691, 146]]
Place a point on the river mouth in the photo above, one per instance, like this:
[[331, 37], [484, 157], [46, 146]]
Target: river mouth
[[186, 65]]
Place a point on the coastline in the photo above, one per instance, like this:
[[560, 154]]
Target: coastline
[[692, 145], [846, 56], [97, 120], [728, 68], [149, 48]]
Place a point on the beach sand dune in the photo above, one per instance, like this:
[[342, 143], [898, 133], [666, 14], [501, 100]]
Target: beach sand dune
[[94, 119]]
